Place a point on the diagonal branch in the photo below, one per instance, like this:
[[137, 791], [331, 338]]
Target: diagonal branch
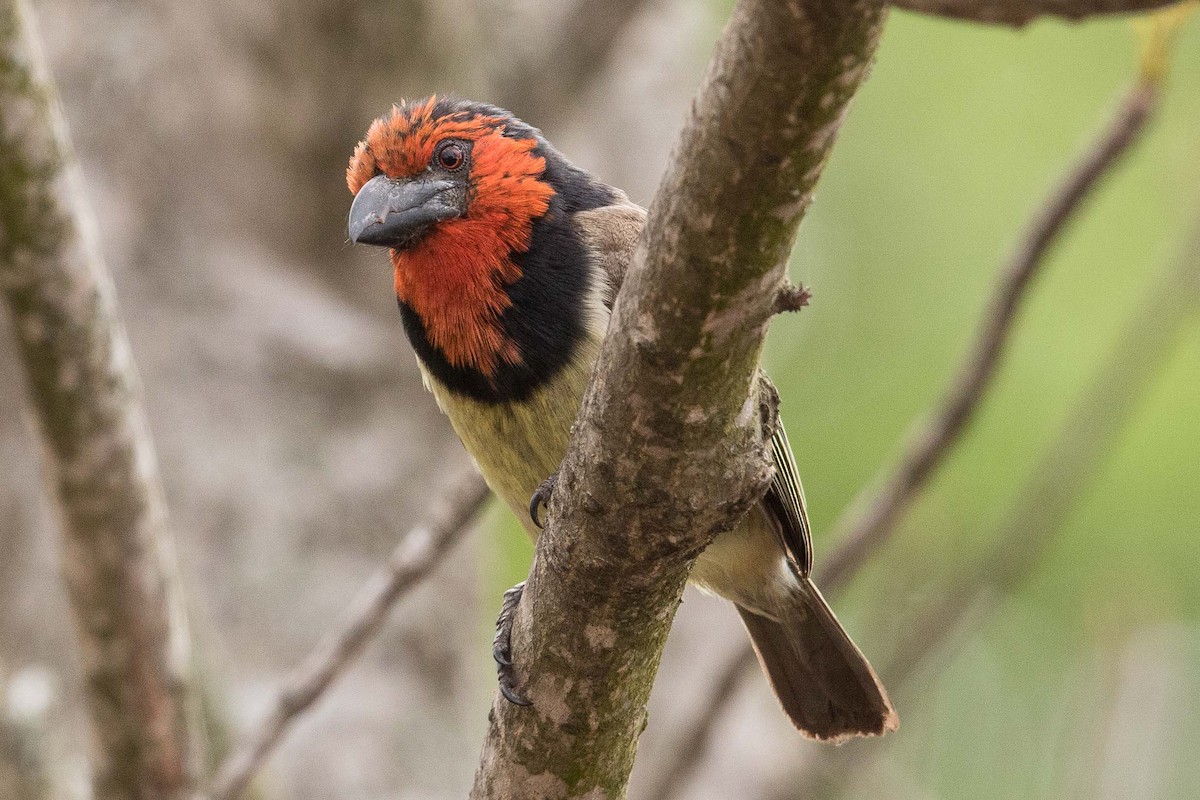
[[1066, 469], [117, 551], [668, 447], [873, 515], [417, 554], [1022, 12], [687, 754], [1070, 463]]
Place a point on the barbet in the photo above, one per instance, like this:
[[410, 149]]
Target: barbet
[[507, 259]]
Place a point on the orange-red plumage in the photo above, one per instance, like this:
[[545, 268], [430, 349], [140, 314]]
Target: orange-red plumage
[[454, 278]]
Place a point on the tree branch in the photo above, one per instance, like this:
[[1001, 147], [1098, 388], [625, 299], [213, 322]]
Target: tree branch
[[117, 552], [669, 448], [873, 515], [1022, 12], [417, 554], [1066, 468]]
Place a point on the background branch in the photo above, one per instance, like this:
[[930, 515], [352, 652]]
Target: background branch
[[415, 557], [874, 514], [117, 552], [668, 449], [1021, 12], [1067, 467]]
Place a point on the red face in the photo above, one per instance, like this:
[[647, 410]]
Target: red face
[[453, 198]]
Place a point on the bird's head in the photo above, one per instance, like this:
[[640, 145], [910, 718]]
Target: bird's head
[[475, 208], [449, 170], [452, 189]]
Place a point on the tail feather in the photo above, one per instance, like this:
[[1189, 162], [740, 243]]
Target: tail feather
[[821, 678]]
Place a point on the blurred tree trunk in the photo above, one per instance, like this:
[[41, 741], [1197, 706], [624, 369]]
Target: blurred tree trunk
[[22, 773], [117, 553]]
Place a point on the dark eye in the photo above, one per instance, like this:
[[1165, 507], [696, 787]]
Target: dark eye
[[450, 156]]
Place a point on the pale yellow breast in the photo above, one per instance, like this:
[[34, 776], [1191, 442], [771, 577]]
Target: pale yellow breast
[[518, 445]]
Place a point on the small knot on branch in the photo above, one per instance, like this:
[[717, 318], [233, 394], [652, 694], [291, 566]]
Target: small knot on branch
[[790, 297]]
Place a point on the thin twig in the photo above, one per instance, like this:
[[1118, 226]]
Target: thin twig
[[1064, 472], [688, 752], [414, 558], [872, 517], [1069, 464]]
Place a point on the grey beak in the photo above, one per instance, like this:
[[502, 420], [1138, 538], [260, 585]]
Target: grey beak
[[392, 213]]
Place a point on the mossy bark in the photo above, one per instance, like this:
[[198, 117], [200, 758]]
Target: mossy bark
[[669, 445], [116, 548]]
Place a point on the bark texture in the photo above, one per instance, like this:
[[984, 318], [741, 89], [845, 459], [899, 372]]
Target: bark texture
[[1021, 12], [116, 548], [669, 446]]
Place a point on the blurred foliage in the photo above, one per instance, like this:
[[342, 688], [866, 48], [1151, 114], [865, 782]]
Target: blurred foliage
[[955, 140]]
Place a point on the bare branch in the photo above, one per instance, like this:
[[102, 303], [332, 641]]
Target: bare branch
[[117, 552], [668, 448], [687, 755], [1066, 469], [872, 517], [1022, 12], [874, 513], [417, 554]]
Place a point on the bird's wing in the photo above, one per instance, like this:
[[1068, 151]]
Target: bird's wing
[[784, 502], [611, 235]]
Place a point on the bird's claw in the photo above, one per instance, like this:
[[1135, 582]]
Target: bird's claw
[[541, 497], [502, 646]]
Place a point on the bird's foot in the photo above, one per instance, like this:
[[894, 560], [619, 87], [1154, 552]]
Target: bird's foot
[[502, 645], [541, 497]]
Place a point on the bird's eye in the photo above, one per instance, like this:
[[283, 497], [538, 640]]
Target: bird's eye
[[450, 156]]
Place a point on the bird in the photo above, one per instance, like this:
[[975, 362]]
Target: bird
[[506, 261]]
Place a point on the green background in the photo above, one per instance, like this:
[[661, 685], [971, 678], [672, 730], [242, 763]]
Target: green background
[[953, 142]]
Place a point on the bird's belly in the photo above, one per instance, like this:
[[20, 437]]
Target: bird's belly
[[518, 445]]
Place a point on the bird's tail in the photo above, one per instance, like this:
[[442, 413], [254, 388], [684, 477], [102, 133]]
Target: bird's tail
[[821, 678]]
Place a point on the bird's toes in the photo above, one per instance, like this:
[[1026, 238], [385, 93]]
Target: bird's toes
[[506, 672], [541, 498]]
